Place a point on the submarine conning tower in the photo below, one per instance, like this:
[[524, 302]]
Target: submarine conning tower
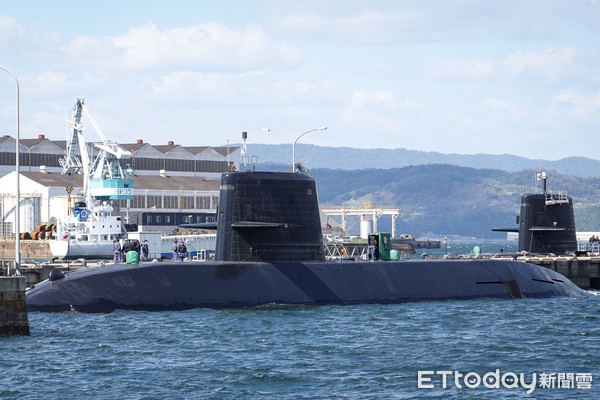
[[547, 222], [268, 216]]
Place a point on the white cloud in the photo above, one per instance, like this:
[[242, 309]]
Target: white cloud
[[425, 20], [207, 47], [23, 45], [362, 102], [380, 112], [363, 26], [459, 69], [49, 82], [8, 25], [552, 62], [430, 75], [194, 89], [513, 112], [582, 107]]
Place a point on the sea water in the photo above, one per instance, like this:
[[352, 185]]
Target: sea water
[[469, 248], [398, 351]]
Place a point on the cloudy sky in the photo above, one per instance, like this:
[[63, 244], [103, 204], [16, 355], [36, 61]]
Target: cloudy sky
[[462, 76]]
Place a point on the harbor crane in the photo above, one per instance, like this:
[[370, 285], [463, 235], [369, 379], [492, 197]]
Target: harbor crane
[[103, 174]]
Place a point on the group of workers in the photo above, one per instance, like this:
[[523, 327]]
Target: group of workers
[[179, 251], [131, 250]]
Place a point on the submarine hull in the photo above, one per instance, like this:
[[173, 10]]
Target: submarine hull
[[227, 284]]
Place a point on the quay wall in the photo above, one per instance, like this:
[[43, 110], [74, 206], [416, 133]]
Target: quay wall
[[582, 271], [13, 306], [30, 250]]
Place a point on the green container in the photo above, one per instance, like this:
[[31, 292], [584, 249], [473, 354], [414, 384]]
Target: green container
[[383, 245], [132, 257]]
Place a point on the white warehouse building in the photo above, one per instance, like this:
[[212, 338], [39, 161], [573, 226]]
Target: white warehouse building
[[172, 184]]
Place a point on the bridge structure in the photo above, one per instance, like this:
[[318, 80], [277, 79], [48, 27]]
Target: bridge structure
[[366, 212]]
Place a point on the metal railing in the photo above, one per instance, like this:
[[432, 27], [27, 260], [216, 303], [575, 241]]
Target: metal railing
[[590, 247], [556, 198]]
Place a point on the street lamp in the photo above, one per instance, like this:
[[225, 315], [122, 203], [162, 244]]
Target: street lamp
[[17, 210], [321, 128]]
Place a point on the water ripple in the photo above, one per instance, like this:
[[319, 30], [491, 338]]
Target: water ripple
[[280, 352]]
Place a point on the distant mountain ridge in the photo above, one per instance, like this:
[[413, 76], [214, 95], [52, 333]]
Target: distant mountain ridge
[[439, 194], [347, 158], [441, 199]]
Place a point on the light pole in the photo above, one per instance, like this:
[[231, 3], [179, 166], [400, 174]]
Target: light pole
[[321, 128], [17, 209]]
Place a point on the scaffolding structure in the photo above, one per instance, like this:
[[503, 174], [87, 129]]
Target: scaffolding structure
[[365, 212]]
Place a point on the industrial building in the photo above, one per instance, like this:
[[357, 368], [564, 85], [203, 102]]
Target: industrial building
[[146, 159], [172, 184]]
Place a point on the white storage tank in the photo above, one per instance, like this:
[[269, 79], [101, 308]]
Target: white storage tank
[[366, 227]]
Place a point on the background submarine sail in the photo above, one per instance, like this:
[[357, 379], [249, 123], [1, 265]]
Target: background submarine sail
[[270, 250], [546, 223]]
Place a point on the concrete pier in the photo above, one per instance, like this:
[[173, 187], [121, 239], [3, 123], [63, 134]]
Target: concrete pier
[[13, 306], [582, 271]]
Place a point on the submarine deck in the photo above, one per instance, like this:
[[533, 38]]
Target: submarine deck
[[583, 271]]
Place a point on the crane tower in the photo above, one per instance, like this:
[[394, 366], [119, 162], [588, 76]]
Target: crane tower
[[99, 163]]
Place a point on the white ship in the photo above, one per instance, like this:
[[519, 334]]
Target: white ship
[[90, 228], [87, 233]]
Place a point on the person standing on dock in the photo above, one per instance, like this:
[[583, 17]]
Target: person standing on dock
[[182, 250], [116, 251], [144, 251], [374, 247], [135, 246], [174, 250]]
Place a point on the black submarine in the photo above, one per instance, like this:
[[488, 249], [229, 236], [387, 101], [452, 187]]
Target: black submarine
[[546, 223], [270, 250]]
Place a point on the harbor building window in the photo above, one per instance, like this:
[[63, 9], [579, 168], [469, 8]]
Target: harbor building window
[[203, 202], [179, 165], [211, 166], [139, 201], [171, 201], [187, 202], [154, 201], [149, 164], [49, 160], [8, 158]]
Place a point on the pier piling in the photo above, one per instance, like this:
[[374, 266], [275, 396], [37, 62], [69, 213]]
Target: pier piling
[[13, 306]]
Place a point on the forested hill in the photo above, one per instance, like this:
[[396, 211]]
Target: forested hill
[[353, 159], [442, 199]]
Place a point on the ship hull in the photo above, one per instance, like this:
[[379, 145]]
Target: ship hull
[[74, 249], [186, 285]]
